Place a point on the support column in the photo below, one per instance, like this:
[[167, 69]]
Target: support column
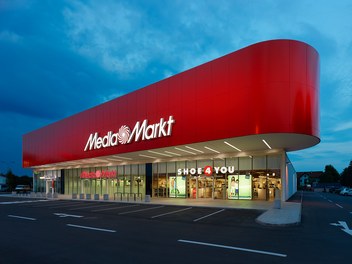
[[284, 175]]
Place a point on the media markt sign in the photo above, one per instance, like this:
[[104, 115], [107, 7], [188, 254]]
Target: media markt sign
[[141, 131]]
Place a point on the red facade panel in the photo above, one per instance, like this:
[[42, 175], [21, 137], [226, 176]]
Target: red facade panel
[[269, 87]]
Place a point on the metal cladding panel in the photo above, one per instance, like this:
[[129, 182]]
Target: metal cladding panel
[[268, 87]]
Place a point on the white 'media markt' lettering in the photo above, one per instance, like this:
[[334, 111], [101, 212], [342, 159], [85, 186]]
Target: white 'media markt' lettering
[[141, 131], [151, 131]]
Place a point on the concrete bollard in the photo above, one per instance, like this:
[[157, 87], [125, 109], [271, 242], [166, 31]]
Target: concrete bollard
[[147, 198], [277, 201]]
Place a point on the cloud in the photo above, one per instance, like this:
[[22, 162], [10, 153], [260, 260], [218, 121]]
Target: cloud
[[338, 154], [113, 34], [343, 126], [63, 57], [8, 36]]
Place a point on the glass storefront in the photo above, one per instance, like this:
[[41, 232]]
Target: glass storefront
[[115, 180], [231, 178], [253, 177]]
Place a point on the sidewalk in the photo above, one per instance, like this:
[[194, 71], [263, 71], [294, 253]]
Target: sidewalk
[[288, 214]]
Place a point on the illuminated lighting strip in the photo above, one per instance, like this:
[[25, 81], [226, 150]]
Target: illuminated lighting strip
[[119, 157], [232, 146], [194, 149], [266, 144], [154, 152], [147, 156], [212, 149], [112, 159], [186, 151], [98, 160], [172, 153]]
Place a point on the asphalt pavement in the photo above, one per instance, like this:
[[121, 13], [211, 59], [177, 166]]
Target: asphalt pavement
[[38, 230], [275, 213]]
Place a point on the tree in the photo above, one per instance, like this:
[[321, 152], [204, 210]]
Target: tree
[[346, 176], [329, 175], [11, 180]]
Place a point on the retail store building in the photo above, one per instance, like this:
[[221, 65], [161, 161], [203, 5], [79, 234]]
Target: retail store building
[[220, 130]]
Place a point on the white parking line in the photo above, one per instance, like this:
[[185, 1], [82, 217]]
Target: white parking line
[[92, 228], [330, 201], [135, 211], [234, 248], [200, 218], [22, 217], [67, 215], [173, 212], [339, 205], [25, 201], [114, 208]]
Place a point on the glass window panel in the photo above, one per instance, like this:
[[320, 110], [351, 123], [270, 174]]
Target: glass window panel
[[127, 170], [245, 163], [120, 170], [219, 163], [259, 162], [171, 167], [155, 167], [274, 161], [134, 169], [203, 163], [191, 164], [180, 164], [162, 167], [141, 169], [232, 162]]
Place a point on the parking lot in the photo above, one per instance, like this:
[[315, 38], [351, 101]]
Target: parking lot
[[86, 230], [168, 213]]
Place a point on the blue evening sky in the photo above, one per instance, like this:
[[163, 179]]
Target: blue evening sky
[[61, 57]]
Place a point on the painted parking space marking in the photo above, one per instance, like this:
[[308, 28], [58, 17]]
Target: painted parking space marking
[[24, 201], [233, 248], [114, 208], [92, 228], [338, 205], [67, 215], [173, 212], [141, 210], [330, 201], [200, 218], [22, 217]]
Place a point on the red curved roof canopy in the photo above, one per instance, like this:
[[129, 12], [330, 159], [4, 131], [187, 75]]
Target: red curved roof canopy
[[269, 90]]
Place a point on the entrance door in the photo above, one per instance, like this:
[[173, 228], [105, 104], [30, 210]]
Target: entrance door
[[220, 188], [205, 187], [193, 187]]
